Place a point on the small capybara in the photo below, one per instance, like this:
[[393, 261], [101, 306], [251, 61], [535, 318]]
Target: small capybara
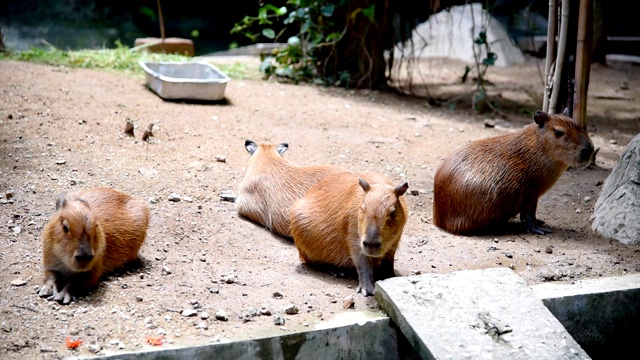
[[93, 232], [352, 220], [487, 182], [272, 184]]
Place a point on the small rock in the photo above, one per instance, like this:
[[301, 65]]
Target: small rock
[[277, 295], [17, 230], [228, 196], [578, 211], [414, 192], [613, 141], [204, 315], [9, 194], [508, 255], [266, 312], [512, 267], [348, 302], [95, 348], [150, 173], [587, 199], [139, 298], [222, 315], [278, 320], [18, 282], [489, 123], [214, 290], [61, 162], [221, 158], [548, 250], [202, 325], [128, 127], [166, 269], [152, 200], [228, 279], [187, 199], [189, 312], [174, 197], [291, 309]]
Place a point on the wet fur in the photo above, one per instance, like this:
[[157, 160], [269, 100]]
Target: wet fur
[[272, 184], [102, 223], [331, 222], [489, 181]]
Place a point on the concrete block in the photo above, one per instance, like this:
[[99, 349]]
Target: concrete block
[[602, 315], [475, 314]]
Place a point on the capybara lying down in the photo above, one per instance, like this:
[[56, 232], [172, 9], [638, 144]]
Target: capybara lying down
[[272, 184], [92, 232], [352, 220], [487, 182]]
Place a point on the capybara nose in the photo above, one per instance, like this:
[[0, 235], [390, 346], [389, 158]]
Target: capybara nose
[[84, 259], [585, 153], [371, 244]]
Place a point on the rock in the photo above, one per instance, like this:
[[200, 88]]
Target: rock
[[221, 158], [489, 123], [95, 348], [173, 197], [204, 315], [616, 213], [18, 282], [278, 320], [17, 230], [228, 196], [61, 162], [222, 315], [150, 173], [291, 309], [348, 302], [189, 312], [128, 127], [187, 199]]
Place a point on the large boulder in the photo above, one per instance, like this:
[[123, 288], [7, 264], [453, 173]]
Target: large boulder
[[451, 33], [617, 211]]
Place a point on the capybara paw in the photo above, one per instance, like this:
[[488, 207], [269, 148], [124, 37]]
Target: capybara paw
[[538, 228], [366, 289], [64, 297], [47, 289]]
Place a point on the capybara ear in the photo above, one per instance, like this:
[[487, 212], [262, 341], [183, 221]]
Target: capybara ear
[[540, 118], [250, 146], [281, 148], [566, 112], [62, 201], [364, 184], [401, 189]]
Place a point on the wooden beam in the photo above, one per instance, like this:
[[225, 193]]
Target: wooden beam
[[583, 61]]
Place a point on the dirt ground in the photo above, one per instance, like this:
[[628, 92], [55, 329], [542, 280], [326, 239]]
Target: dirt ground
[[62, 129]]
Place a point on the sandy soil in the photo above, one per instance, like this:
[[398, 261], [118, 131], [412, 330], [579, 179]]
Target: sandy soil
[[62, 129]]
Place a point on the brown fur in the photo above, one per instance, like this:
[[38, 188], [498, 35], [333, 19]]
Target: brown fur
[[352, 220], [272, 184], [92, 232], [489, 181]]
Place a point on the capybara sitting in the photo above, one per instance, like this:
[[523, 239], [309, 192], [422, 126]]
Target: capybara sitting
[[487, 182], [272, 184], [92, 232], [351, 220]]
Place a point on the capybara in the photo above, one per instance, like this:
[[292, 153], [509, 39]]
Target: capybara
[[93, 232], [352, 220], [487, 182], [272, 184]]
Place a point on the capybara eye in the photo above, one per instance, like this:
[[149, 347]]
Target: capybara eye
[[392, 213], [558, 133], [65, 228]]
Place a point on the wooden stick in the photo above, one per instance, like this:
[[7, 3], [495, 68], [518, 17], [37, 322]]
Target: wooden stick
[[551, 51], [583, 61], [161, 24], [562, 46]]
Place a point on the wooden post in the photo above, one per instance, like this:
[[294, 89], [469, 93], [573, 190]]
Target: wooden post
[[562, 46], [583, 61], [161, 24], [551, 52]]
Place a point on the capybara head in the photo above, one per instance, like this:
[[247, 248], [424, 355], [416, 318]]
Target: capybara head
[[381, 217], [252, 147], [563, 139], [75, 234]]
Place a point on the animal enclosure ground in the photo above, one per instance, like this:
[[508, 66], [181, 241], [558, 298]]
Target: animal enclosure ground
[[63, 129]]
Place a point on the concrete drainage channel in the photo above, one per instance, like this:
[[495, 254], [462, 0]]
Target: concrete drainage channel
[[471, 314]]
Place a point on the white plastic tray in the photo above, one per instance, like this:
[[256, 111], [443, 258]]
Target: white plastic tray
[[194, 80]]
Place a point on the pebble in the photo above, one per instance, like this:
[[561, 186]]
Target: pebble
[[152, 200], [348, 302], [202, 325], [228, 196], [587, 199], [278, 320], [222, 315], [221, 158], [95, 348], [204, 315], [61, 162], [291, 310], [173, 197], [189, 312], [9, 194], [166, 269], [17, 230], [187, 199], [489, 123], [548, 250], [18, 282]]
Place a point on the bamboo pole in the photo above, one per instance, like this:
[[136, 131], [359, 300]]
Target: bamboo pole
[[161, 24], [583, 61], [551, 51], [562, 46]]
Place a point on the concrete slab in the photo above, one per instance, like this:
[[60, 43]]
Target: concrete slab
[[356, 335], [475, 314], [602, 315]]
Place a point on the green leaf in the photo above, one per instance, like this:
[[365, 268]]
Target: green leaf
[[327, 10], [370, 12], [269, 33]]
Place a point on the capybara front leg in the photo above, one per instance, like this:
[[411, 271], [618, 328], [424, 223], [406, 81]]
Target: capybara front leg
[[528, 217], [365, 275]]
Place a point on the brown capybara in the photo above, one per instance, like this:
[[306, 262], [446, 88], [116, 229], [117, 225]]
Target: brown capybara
[[93, 232], [487, 182], [272, 184], [351, 220]]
